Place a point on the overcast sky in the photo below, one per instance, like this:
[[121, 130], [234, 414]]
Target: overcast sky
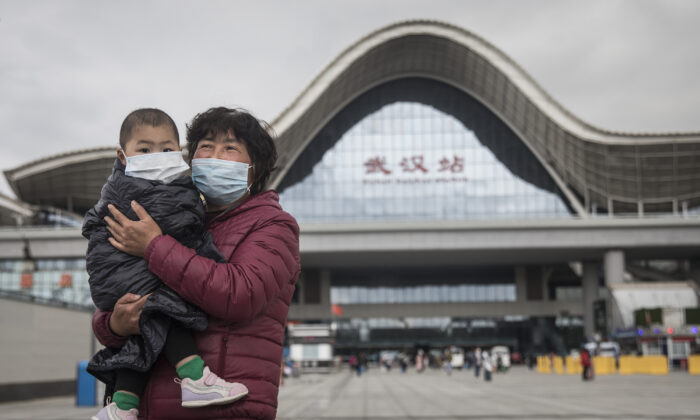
[[71, 70]]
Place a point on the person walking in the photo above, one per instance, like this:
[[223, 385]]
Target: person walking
[[587, 365], [420, 362], [477, 362], [353, 363], [448, 361], [488, 367], [403, 362], [361, 364]]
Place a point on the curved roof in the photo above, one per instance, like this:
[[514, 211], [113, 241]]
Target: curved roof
[[70, 181], [626, 171], [592, 167]]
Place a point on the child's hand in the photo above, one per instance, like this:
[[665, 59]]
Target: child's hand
[[124, 320], [132, 236]]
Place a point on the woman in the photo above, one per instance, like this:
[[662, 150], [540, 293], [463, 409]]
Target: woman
[[586, 371], [247, 298]]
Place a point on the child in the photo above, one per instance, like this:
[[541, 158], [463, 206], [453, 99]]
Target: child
[[151, 171]]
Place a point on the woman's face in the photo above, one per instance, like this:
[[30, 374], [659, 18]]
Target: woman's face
[[224, 147]]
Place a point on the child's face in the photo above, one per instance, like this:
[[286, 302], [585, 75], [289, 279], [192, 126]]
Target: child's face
[[146, 139]]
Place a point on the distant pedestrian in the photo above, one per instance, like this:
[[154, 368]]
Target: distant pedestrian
[[361, 364], [531, 361], [352, 361], [587, 365], [488, 367], [403, 362], [448, 361], [477, 362], [420, 361]]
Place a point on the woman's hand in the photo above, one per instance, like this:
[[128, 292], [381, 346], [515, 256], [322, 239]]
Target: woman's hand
[[132, 236], [124, 320]]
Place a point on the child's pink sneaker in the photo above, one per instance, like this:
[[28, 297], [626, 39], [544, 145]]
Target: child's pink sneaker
[[210, 390], [111, 412]]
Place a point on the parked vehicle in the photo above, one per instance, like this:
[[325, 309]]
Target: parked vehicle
[[604, 348], [457, 357], [503, 353], [311, 347], [387, 358]]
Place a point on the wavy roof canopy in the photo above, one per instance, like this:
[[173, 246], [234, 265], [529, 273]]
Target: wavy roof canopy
[[622, 172], [70, 181], [625, 171]]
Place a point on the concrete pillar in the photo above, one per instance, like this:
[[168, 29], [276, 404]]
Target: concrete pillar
[[325, 285], [614, 274], [614, 267], [546, 275], [520, 284], [589, 286], [300, 289]]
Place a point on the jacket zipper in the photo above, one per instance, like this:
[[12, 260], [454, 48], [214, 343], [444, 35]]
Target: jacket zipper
[[222, 355]]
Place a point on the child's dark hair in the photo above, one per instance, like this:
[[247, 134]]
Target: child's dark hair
[[145, 116], [256, 135]]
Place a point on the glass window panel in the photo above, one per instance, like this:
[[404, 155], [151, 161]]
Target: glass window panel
[[409, 161], [439, 293]]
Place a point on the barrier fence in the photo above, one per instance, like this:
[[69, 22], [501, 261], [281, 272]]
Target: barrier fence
[[628, 365], [694, 364]]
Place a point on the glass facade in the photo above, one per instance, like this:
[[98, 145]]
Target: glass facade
[[436, 332], [436, 293], [58, 281], [409, 161], [421, 285]]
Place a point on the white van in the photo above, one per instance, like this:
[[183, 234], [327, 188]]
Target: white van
[[504, 354], [607, 349], [311, 347], [457, 357]]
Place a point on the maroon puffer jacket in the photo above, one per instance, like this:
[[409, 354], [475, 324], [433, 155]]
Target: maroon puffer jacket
[[247, 300]]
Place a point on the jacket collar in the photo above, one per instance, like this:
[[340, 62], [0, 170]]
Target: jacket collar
[[263, 199], [118, 165]]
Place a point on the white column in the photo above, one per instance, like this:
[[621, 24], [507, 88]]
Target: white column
[[614, 274], [614, 267]]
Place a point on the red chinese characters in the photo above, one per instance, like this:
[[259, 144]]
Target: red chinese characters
[[414, 164], [377, 164], [456, 165]]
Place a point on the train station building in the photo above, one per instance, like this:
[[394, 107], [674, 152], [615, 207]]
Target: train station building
[[444, 198]]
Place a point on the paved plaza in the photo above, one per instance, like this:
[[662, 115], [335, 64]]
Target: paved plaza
[[432, 395]]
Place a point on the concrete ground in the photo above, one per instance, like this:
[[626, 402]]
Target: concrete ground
[[519, 394]]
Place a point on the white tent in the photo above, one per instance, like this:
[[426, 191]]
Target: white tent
[[628, 297]]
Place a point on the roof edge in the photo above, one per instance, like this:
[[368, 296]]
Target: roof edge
[[515, 73], [55, 161], [16, 205]]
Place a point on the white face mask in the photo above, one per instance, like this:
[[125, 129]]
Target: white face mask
[[165, 167]]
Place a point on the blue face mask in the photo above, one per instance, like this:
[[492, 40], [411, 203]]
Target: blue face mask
[[221, 181]]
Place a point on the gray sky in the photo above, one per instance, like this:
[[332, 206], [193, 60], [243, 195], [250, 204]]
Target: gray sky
[[71, 70]]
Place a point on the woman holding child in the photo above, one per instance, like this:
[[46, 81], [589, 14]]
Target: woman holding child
[[246, 297]]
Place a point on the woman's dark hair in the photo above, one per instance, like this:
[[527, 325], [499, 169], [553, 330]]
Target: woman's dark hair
[[256, 135]]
